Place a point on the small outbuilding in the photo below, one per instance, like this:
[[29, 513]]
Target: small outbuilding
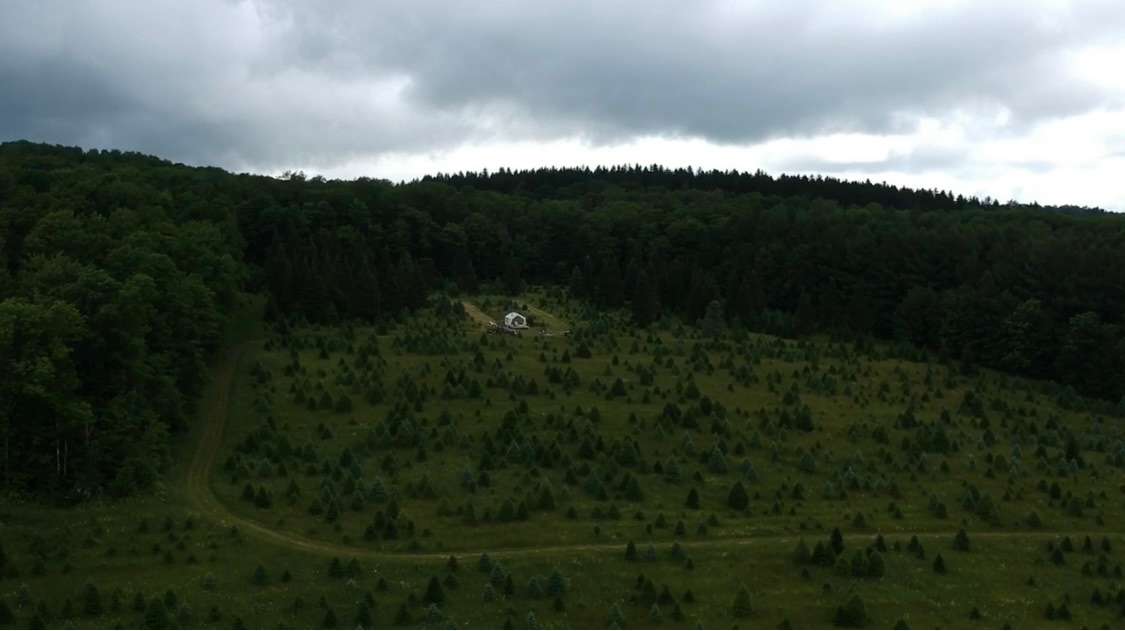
[[515, 321]]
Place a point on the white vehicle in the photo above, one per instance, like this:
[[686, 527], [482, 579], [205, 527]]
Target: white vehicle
[[515, 321]]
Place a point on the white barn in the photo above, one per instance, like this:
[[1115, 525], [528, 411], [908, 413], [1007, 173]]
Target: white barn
[[515, 321]]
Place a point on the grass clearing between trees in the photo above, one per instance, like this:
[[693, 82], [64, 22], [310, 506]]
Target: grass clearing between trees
[[612, 477]]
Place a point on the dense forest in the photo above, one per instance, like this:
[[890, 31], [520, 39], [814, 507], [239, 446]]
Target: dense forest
[[119, 270]]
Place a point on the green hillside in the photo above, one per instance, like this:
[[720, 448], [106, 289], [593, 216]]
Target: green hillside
[[236, 401], [610, 476]]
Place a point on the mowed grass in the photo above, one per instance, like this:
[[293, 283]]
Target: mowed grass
[[876, 457]]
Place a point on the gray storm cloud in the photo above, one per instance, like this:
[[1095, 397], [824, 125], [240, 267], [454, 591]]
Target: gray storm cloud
[[258, 85]]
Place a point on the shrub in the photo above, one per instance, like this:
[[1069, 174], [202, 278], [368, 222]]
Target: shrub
[[363, 618], [876, 566], [742, 606], [692, 499], [961, 541], [837, 541], [851, 615], [1057, 556], [616, 617], [434, 592], [939, 565], [801, 554], [156, 615], [737, 498], [556, 584], [91, 600]]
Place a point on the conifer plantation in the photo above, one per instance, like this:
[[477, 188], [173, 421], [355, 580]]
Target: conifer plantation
[[740, 400]]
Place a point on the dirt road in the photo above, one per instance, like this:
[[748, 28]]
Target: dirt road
[[475, 313]]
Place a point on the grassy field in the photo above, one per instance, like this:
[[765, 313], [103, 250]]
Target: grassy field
[[430, 474]]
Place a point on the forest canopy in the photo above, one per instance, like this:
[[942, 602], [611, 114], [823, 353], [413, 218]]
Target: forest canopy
[[119, 270]]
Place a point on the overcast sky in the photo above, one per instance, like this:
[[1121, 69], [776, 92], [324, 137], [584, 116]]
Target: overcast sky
[[1012, 99]]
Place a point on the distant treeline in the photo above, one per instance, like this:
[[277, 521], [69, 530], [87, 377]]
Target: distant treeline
[[578, 181], [119, 269]]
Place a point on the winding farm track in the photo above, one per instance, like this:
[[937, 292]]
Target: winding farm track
[[216, 409], [475, 313]]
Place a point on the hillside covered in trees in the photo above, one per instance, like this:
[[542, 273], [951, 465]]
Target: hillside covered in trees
[[120, 269]]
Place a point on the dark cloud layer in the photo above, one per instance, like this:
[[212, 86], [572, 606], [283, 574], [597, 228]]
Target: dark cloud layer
[[268, 84]]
